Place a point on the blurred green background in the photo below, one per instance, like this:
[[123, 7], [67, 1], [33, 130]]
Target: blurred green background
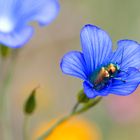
[[118, 118]]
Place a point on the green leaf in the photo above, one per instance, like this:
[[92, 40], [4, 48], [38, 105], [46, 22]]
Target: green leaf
[[30, 104]]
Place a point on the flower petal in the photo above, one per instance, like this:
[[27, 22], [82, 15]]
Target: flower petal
[[127, 54], [43, 11], [125, 88], [15, 16], [96, 46], [91, 92], [17, 38], [73, 63]]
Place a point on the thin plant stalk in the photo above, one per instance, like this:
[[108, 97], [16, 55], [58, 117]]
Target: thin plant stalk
[[75, 111]]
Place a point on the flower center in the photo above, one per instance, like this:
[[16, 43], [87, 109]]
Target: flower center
[[6, 25], [102, 76]]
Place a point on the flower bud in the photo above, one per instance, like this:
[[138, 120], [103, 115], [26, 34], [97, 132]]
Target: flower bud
[[30, 104], [82, 98]]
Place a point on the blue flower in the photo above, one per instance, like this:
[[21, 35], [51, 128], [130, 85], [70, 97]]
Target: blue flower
[[104, 71], [15, 16]]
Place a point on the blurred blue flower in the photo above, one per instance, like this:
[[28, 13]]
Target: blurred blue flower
[[104, 71], [15, 16]]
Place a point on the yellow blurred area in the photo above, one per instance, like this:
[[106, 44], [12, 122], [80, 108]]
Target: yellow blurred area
[[73, 129]]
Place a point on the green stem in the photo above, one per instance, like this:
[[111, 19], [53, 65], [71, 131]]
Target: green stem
[[65, 118], [25, 127], [50, 130], [4, 101], [75, 108], [88, 105], [3, 106], [74, 112]]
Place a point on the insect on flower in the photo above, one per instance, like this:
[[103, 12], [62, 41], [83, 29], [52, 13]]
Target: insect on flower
[[15, 16], [104, 71], [101, 77]]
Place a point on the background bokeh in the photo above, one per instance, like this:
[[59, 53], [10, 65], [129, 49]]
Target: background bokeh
[[38, 64]]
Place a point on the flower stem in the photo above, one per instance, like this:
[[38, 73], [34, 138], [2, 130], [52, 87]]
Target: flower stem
[[75, 108], [89, 105], [50, 130], [25, 127], [65, 118], [4, 105], [74, 112], [4, 112]]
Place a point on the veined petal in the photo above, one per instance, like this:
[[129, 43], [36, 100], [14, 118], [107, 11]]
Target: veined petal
[[73, 63], [127, 54], [96, 46], [91, 92], [17, 38], [131, 83]]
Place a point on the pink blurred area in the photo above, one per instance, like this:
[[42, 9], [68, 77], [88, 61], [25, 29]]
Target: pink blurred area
[[124, 109]]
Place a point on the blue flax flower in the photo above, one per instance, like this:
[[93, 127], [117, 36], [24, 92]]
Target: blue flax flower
[[104, 71], [15, 16]]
